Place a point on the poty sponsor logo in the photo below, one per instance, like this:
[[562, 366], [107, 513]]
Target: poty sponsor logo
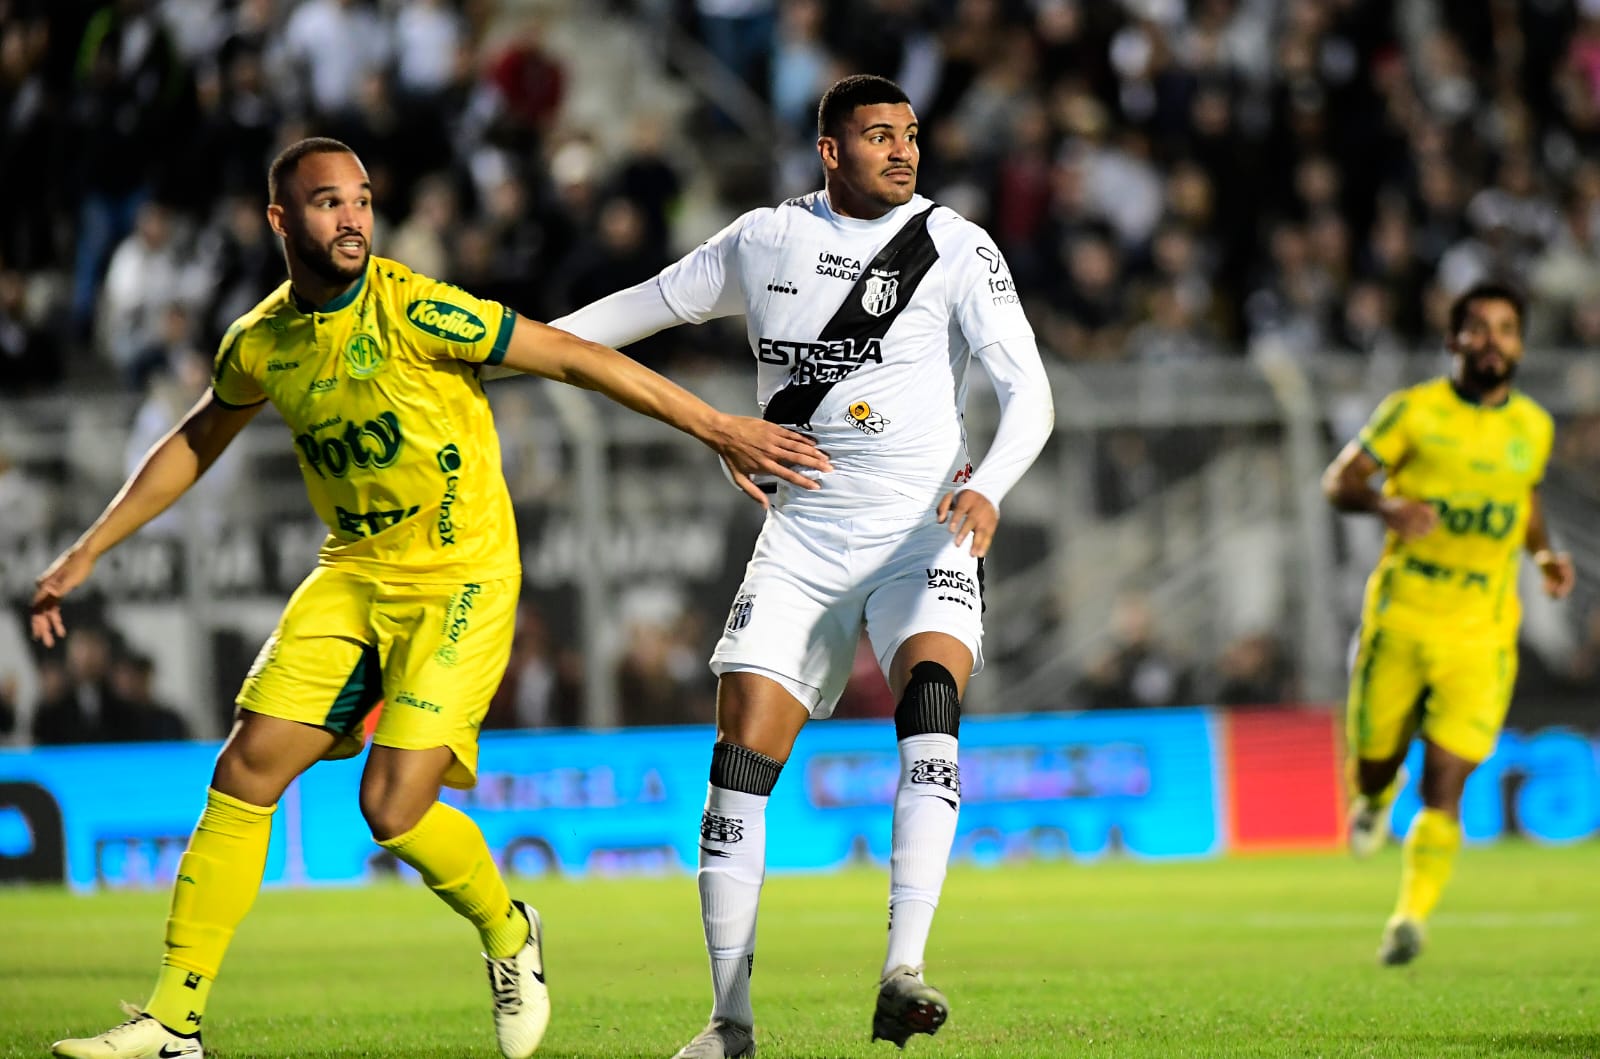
[[445, 320]]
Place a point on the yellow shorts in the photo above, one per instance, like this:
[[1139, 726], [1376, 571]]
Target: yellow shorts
[[433, 654], [1456, 693]]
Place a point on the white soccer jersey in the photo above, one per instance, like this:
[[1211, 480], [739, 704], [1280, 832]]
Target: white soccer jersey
[[863, 331]]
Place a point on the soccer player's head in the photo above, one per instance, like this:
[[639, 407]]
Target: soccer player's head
[[1486, 323], [867, 137], [320, 204]]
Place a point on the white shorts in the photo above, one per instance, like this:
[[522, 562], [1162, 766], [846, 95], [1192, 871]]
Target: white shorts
[[812, 582]]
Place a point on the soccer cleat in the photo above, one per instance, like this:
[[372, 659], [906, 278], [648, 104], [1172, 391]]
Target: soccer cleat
[[1369, 826], [1402, 942], [907, 1005], [521, 1001], [722, 1039], [141, 1037]]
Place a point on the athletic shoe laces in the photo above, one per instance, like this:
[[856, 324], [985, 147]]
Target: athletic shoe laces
[[503, 982]]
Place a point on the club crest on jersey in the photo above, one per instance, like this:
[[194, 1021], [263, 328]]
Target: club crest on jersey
[[880, 292], [739, 613], [861, 416], [363, 357]]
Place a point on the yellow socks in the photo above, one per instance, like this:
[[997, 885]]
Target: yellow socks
[[218, 878], [1429, 856], [447, 848]]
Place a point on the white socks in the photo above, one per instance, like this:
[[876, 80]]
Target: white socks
[[733, 862], [926, 807]]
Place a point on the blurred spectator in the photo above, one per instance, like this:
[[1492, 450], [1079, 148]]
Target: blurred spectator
[[77, 703], [30, 355], [649, 179], [421, 240], [1254, 672], [801, 67], [148, 273], [142, 718], [175, 384], [431, 55], [243, 261], [335, 45], [1137, 670], [542, 687], [25, 505], [740, 34], [618, 255], [129, 100], [525, 88], [662, 676]]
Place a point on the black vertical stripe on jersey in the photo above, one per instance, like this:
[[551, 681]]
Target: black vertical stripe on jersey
[[910, 254]]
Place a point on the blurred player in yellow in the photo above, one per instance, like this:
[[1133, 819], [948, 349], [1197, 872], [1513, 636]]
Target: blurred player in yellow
[[375, 370], [1463, 458]]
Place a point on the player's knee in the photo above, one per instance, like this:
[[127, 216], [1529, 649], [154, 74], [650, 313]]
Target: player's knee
[[251, 773], [389, 817], [738, 768], [931, 704]]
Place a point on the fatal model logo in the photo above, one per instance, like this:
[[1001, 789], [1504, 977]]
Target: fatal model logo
[[861, 416], [880, 292]]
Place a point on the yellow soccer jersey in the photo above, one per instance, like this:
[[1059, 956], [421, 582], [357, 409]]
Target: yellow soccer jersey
[[1477, 465], [395, 439]]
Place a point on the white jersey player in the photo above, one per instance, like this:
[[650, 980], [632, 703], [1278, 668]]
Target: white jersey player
[[865, 304]]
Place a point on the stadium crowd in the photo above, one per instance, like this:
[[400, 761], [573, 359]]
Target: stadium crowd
[[1170, 179]]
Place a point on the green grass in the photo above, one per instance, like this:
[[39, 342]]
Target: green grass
[[1244, 957]]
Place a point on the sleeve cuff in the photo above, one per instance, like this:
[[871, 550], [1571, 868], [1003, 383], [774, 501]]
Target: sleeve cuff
[[217, 397], [502, 340]]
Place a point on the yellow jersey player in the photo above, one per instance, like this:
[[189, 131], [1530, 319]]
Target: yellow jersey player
[[1462, 458], [374, 368]]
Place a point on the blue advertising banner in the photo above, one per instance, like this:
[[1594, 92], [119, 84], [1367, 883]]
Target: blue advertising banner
[[1149, 784]]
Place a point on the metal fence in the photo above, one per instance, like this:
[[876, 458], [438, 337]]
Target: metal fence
[[1174, 522]]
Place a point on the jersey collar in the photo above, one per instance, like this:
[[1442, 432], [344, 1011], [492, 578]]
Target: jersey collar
[[338, 302], [856, 224], [1467, 398]]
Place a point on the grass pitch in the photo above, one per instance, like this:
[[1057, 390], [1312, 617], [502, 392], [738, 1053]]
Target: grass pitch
[[1243, 957]]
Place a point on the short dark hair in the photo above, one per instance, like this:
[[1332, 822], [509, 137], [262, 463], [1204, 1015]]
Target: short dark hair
[[858, 90], [1487, 290], [288, 160]]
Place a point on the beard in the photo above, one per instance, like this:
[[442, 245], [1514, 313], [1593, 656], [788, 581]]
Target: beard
[[320, 260], [1482, 376]]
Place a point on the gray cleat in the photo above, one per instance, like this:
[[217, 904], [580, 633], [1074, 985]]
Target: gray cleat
[[721, 1039], [907, 1005], [1402, 942]]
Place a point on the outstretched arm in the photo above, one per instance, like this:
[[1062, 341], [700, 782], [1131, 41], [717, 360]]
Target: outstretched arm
[[616, 320], [748, 446], [1556, 566], [171, 466]]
